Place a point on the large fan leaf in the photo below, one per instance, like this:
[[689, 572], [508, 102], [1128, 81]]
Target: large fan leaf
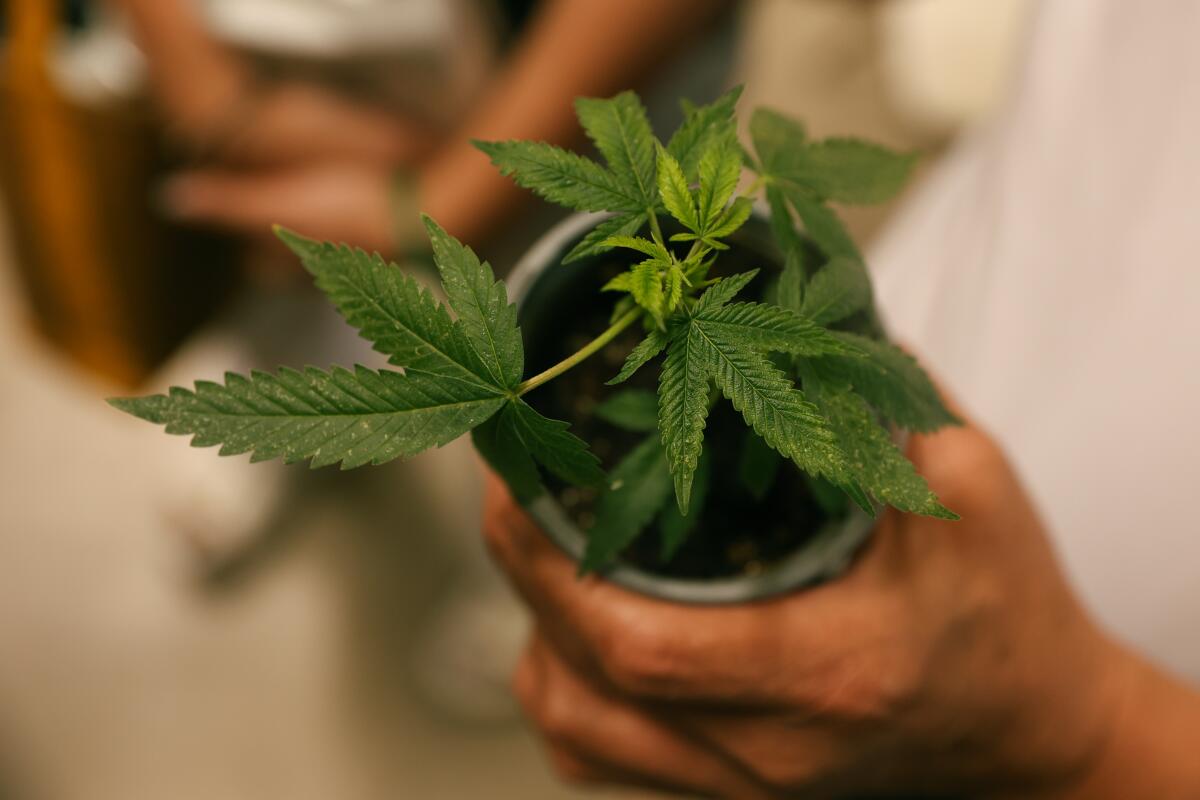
[[876, 462], [481, 303], [621, 132], [839, 289], [683, 408], [773, 328], [518, 436], [890, 380], [355, 418], [552, 444], [561, 177], [850, 171], [770, 403], [638, 487], [391, 310]]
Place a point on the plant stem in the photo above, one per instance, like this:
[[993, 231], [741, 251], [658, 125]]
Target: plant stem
[[655, 230], [623, 322]]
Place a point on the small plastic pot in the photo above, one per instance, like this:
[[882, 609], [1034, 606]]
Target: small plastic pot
[[539, 280]]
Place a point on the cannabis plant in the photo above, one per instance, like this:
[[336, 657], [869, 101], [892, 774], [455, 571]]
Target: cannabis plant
[[814, 388]]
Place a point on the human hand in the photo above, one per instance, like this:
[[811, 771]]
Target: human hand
[[951, 658], [340, 201], [295, 123]]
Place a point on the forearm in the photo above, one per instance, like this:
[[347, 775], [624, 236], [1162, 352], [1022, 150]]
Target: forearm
[[574, 48], [195, 79]]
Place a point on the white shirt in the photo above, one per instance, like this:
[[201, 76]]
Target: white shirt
[[1050, 274]]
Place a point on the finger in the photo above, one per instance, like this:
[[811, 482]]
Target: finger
[[596, 738], [648, 648], [246, 203]]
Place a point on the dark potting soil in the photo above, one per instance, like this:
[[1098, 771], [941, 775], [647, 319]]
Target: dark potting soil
[[735, 533]]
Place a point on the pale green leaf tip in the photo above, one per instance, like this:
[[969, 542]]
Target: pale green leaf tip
[[431, 225], [300, 245], [683, 494], [941, 512], [149, 408]]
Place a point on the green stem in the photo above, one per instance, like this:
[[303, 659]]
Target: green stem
[[623, 322], [655, 230]]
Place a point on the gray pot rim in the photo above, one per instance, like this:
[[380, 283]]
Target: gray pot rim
[[825, 556]]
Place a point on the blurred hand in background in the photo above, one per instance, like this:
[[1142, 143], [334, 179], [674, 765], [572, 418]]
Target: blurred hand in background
[[324, 165]]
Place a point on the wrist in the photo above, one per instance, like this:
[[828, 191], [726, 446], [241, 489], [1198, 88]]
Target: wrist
[[1149, 749]]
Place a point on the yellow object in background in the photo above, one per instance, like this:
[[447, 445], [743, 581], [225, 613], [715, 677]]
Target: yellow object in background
[[106, 280]]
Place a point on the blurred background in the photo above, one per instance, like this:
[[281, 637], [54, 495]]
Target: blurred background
[[175, 625]]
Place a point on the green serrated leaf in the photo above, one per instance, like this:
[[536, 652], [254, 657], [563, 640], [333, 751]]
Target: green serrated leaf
[[622, 282], [777, 139], [481, 303], [723, 291], [504, 451], [789, 292], [673, 288], [890, 380], [851, 171], [592, 243], [392, 311], [700, 127], [673, 187], [837, 290], [875, 461], [638, 487], [641, 245], [783, 227], [767, 399], [683, 408], [561, 176], [621, 132], [719, 170], [654, 343], [552, 445], [823, 225], [772, 328], [645, 285], [733, 218], [631, 409], [674, 527], [355, 418]]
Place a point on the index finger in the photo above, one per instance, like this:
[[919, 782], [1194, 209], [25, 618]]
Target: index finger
[[667, 651]]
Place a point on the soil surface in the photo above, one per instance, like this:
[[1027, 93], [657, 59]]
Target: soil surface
[[736, 532]]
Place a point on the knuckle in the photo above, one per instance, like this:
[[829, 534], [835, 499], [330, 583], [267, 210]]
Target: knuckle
[[642, 660], [874, 688], [968, 469]]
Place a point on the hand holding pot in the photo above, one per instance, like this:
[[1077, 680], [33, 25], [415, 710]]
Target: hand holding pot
[[951, 658]]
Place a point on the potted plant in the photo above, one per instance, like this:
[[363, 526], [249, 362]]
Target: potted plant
[[738, 402]]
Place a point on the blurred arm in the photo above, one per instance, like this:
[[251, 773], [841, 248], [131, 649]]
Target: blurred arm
[[196, 80], [573, 48]]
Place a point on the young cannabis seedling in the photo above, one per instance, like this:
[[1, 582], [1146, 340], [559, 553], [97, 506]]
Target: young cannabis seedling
[[810, 393]]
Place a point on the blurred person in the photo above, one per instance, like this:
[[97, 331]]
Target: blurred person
[[315, 163], [1044, 272]]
